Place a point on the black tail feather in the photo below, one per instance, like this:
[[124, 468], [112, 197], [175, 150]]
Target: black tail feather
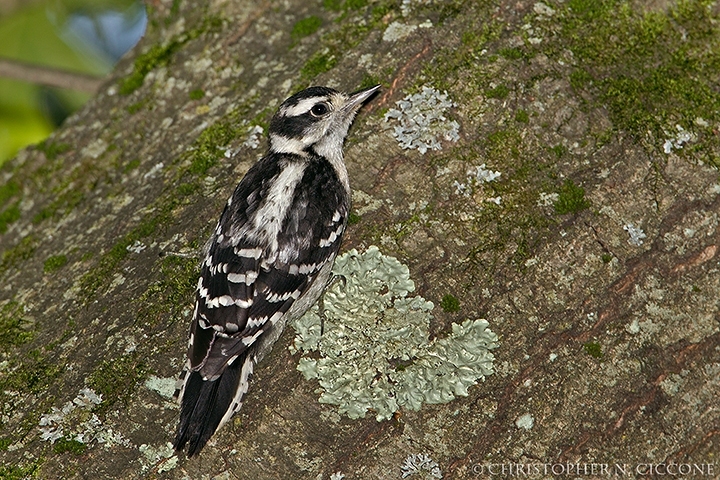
[[204, 404]]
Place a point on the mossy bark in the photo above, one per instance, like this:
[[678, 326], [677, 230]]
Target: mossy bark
[[608, 343]]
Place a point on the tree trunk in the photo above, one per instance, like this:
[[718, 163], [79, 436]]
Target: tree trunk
[[593, 253]]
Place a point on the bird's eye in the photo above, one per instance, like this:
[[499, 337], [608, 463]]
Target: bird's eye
[[319, 110]]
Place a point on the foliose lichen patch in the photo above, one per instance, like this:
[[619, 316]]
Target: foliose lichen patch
[[420, 465], [422, 120], [76, 422], [374, 354]]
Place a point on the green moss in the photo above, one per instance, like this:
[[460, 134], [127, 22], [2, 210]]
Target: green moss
[[207, 149], [450, 303], [511, 53], [167, 297], [133, 108], [5, 443], [13, 328], [54, 262], [63, 204], [355, 4], [206, 153], [65, 444], [498, 236], [188, 189], [593, 349], [353, 218], [17, 472], [131, 165], [9, 216], [464, 63], [344, 5], [196, 94], [99, 276], [34, 375], [117, 379], [571, 199], [579, 78], [24, 250], [589, 9], [8, 190], [306, 26], [43, 214], [504, 145], [332, 5], [606, 257], [160, 55], [368, 81], [174, 10], [52, 149], [522, 116], [649, 77], [349, 34], [156, 56], [559, 150], [499, 92], [317, 64]]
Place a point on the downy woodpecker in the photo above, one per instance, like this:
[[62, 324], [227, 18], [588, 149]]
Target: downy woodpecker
[[269, 258]]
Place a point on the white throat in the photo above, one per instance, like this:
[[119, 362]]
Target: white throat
[[281, 144], [330, 147]]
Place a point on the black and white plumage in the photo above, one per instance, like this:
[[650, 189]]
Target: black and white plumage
[[270, 256]]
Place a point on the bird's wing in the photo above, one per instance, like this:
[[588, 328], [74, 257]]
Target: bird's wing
[[244, 288]]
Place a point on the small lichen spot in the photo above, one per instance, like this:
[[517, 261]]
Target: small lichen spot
[[161, 458], [636, 234], [163, 386], [422, 120], [254, 135], [678, 140], [397, 30], [420, 465], [525, 421], [482, 174]]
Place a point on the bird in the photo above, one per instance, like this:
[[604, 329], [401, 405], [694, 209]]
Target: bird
[[269, 258]]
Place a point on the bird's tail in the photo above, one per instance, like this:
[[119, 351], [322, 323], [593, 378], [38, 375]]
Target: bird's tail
[[207, 405]]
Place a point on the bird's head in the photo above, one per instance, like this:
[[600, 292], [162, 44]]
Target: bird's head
[[316, 118]]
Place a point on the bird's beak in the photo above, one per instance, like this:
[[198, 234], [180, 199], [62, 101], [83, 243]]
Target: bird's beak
[[357, 99]]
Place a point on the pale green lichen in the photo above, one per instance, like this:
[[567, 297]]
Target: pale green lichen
[[163, 386], [76, 422], [161, 458], [375, 354]]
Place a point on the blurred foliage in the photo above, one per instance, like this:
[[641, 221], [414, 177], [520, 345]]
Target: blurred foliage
[[47, 33]]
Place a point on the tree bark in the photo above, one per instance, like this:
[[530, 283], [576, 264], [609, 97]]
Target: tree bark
[[593, 255]]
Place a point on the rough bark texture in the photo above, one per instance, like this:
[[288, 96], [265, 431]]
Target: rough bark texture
[[609, 347]]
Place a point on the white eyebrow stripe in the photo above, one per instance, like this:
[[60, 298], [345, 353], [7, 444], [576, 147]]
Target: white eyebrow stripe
[[303, 106]]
